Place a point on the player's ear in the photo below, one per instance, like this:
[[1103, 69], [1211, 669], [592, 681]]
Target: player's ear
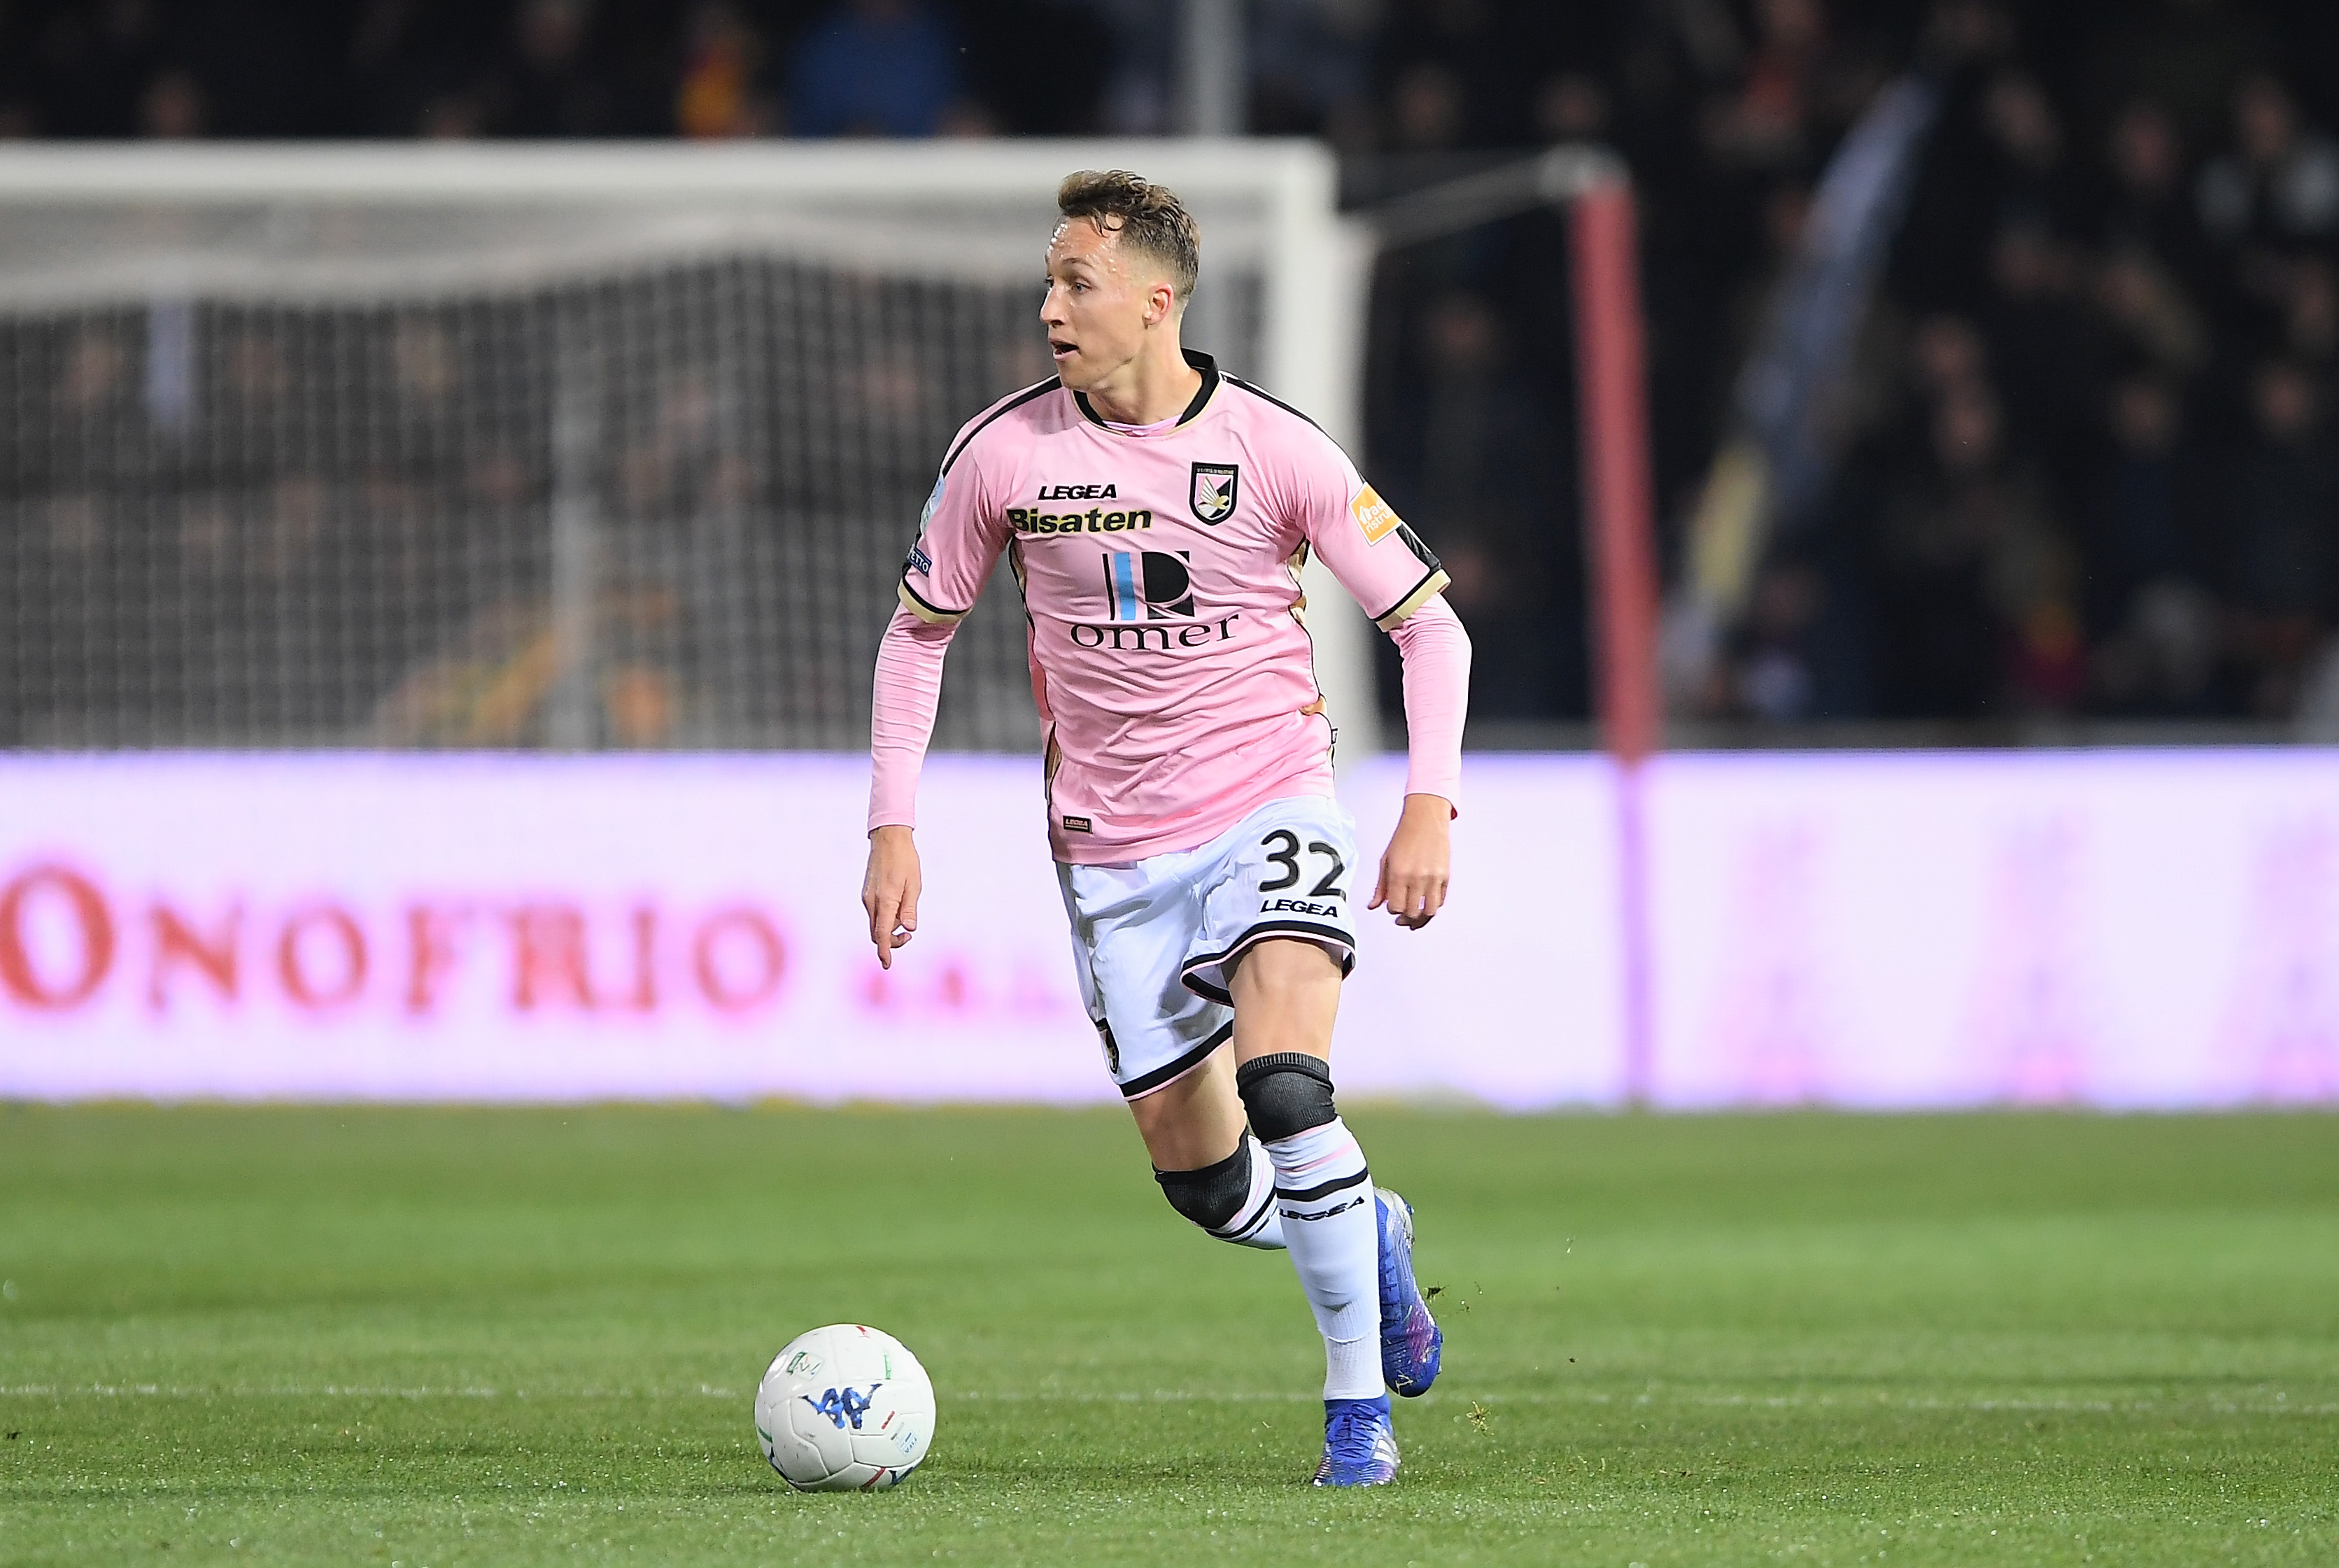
[[1161, 304]]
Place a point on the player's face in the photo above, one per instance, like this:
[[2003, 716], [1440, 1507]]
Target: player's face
[[1099, 303]]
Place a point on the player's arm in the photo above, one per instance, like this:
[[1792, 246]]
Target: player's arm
[[1398, 581], [900, 722], [1416, 868], [941, 579]]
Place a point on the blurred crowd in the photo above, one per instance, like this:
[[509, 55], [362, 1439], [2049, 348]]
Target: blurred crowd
[[2087, 458], [2089, 466], [537, 68]]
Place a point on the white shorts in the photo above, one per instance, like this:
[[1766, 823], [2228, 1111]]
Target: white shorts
[[1151, 940]]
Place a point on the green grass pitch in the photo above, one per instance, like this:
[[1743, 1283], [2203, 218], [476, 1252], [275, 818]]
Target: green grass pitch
[[459, 1337]]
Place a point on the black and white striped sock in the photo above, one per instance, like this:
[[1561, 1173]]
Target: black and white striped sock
[[1324, 1197], [1256, 1224]]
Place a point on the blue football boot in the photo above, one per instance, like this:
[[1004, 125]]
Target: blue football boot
[[1359, 1448], [1411, 1342]]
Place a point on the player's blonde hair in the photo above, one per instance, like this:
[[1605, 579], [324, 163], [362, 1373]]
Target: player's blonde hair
[[1148, 217]]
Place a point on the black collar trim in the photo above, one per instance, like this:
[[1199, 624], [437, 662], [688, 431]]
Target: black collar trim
[[1199, 360]]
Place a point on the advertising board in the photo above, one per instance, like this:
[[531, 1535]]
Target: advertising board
[[2118, 929]]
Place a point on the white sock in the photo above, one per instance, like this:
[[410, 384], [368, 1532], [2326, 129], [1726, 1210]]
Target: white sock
[[1255, 1223], [1324, 1197]]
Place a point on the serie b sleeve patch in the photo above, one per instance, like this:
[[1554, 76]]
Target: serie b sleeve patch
[[1374, 516]]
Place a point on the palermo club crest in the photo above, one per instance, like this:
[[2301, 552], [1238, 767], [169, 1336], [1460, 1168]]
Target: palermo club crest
[[1213, 499]]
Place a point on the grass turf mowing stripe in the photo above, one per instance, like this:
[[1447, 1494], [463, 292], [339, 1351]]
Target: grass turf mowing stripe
[[468, 1336], [2276, 1405]]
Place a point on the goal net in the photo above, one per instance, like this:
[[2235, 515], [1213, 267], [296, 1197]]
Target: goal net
[[562, 446]]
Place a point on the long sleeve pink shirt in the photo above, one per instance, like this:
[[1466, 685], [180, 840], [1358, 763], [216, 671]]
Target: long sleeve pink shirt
[[1159, 572]]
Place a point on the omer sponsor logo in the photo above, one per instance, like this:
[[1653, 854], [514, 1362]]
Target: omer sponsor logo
[[1143, 590], [1031, 522], [1122, 638], [1148, 585]]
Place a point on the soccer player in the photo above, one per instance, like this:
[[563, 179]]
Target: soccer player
[[1156, 513]]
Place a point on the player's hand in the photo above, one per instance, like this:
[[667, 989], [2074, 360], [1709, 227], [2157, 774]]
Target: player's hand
[[890, 891], [1415, 870]]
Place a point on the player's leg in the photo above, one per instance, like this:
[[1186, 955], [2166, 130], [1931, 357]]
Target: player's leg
[[1287, 995], [1210, 1167], [1279, 941], [1278, 912]]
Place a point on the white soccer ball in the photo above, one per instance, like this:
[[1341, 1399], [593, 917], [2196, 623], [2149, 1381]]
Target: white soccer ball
[[845, 1408]]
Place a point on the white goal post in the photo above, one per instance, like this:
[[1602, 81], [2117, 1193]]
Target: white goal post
[[339, 358]]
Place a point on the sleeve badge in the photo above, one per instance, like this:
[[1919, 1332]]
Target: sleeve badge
[[1374, 516]]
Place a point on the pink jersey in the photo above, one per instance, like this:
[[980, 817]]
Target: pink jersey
[[1159, 572]]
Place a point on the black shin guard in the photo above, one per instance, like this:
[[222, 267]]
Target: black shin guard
[[1285, 1094], [1212, 1196]]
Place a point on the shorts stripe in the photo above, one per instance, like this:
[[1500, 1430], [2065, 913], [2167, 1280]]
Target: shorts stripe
[[1162, 1076], [1258, 933]]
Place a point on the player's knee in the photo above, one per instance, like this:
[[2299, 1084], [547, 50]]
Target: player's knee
[[1212, 1196], [1285, 1094]]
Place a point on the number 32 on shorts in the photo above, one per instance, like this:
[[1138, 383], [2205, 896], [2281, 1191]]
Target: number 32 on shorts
[[1283, 850]]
